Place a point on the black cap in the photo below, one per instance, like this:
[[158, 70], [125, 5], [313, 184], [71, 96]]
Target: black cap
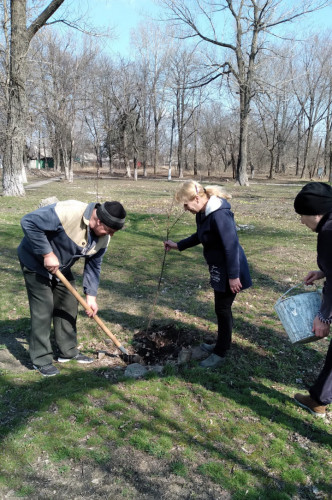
[[315, 198]]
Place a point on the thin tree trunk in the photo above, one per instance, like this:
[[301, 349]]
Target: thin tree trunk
[[195, 153], [156, 148]]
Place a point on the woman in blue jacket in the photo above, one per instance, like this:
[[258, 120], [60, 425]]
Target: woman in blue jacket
[[229, 271]]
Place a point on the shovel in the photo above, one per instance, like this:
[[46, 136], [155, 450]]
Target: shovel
[[64, 280]]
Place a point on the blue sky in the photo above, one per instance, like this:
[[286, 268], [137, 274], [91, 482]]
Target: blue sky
[[122, 15], [125, 15]]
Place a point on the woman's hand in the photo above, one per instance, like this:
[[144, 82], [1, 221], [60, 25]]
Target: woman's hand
[[320, 329], [170, 245], [92, 303], [235, 285], [51, 262], [313, 276]]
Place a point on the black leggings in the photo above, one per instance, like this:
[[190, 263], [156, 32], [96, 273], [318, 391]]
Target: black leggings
[[223, 307]]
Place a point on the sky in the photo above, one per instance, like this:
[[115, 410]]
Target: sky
[[121, 15], [125, 15]]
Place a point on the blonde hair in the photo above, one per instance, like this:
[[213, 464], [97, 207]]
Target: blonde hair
[[190, 189]]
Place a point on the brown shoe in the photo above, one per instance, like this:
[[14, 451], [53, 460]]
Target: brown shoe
[[310, 404]]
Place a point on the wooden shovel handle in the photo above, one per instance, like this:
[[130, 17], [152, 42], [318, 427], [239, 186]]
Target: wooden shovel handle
[[80, 299]]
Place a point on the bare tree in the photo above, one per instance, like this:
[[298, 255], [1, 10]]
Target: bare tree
[[60, 91], [215, 138], [20, 39], [208, 21], [123, 95], [275, 109], [184, 70], [311, 82], [154, 51], [101, 81]]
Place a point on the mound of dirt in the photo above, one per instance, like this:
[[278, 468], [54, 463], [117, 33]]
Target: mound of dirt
[[161, 344]]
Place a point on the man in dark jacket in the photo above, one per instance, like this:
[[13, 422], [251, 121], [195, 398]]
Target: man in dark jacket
[[55, 237], [314, 204]]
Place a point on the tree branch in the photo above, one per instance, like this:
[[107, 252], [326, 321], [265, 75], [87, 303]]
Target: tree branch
[[298, 14], [76, 26], [42, 18]]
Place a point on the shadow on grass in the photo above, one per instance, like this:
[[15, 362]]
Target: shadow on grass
[[40, 395], [238, 380], [14, 336]]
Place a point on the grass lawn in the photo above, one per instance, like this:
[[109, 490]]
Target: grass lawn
[[232, 433]]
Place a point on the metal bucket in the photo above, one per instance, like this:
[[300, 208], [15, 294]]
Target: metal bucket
[[297, 314]]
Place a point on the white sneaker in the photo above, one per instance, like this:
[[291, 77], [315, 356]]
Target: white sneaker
[[80, 358]]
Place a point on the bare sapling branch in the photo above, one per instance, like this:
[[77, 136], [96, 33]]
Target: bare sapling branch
[[168, 232]]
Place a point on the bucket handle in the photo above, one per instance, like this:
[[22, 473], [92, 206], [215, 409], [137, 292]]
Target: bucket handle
[[295, 286]]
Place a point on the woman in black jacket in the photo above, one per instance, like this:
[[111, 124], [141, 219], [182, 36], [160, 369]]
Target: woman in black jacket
[[229, 271], [314, 204]]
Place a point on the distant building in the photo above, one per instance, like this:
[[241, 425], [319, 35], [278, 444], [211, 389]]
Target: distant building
[[39, 159]]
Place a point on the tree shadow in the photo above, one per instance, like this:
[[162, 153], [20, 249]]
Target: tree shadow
[[74, 385], [264, 358], [14, 336]]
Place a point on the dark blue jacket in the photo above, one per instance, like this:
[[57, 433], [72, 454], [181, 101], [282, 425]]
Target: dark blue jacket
[[63, 228], [221, 248]]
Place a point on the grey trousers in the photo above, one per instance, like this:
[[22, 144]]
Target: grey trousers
[[49, 301]]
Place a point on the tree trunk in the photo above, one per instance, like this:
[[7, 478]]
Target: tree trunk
[[109, 151], [155, 148], [71, 161], [271, 164], [195, 153], [110, 164], [279, 163], [307, 147], [241, 169], [125, 155], [180, 161], [145, 160], [298, 147], [328, 133], [16, 114], [15, 137], [209, 166]]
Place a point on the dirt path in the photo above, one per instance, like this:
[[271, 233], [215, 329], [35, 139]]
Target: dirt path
[[37, 184]]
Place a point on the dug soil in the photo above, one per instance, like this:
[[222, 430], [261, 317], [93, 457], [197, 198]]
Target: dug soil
[[162, 344]]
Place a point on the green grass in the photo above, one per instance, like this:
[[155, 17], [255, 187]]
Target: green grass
[[237, 428]]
